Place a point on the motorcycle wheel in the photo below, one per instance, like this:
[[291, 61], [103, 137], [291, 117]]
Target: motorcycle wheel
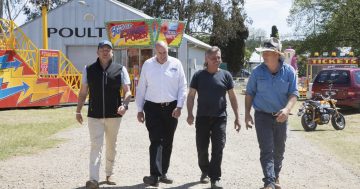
[[338, 122], [307, 122]]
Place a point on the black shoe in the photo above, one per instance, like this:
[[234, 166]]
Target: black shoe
[[151, 180], [92, 184], [204, 179], [166, 180], [216, 184]]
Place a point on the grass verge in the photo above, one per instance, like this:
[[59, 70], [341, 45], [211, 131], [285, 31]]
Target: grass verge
[[343, 144], [26, 131]]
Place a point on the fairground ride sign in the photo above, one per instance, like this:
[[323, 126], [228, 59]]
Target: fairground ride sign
[[144, 32], [333, 60]]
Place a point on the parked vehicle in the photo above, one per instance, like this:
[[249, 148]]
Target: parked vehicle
[[314, 112], [346, 86]]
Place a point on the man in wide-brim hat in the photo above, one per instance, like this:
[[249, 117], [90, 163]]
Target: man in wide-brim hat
[[272, 92]]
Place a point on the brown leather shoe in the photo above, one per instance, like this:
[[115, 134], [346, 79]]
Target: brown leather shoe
[[277, 183], [92, 184], [110, 181]]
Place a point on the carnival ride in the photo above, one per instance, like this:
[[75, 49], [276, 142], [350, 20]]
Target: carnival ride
[[30, 76]]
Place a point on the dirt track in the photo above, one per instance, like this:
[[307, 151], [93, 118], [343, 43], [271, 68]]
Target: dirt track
[[66, 166]]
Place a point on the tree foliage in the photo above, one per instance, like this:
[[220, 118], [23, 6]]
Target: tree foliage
[[274, 32], [11, 9], [33, 9], [230, 36], [327, 24]]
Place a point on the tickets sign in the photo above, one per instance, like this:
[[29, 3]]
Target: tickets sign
[[337, 60]]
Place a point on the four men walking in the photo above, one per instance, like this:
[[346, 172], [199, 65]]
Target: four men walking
[[160, 97]]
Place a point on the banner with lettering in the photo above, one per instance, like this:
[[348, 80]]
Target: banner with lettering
[[49, 62], [334, 60], [172, 32], [130, 33]]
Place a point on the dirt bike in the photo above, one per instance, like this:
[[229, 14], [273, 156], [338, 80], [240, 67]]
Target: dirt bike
[[320, 112]]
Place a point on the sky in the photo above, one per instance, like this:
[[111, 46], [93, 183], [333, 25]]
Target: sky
[[266, 13]]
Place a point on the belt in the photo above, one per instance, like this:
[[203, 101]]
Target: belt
[[162, 104], [271, 113]]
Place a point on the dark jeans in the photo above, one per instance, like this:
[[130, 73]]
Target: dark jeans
[[214, 128], [161, 126], [271, 136]]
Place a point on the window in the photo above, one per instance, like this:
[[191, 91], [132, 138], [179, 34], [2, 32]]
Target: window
[[357, 77], [334, 76]]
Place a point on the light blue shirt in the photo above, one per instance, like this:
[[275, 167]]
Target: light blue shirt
[[271, 92]]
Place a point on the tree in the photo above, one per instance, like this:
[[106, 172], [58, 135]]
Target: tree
[[32, 9], [12, 8], [235, 48], [1, 8], [274, 32], [327, 24]]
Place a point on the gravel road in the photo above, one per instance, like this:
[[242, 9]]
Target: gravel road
[[66, 166]]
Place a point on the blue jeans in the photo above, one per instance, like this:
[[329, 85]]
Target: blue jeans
[[271, 136]]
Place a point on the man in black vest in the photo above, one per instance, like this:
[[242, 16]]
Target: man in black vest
[[103, 80]]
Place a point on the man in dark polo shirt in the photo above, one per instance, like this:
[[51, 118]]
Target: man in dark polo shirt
[[211, 84]]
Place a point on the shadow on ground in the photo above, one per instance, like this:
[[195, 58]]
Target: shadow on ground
[[139, 186]]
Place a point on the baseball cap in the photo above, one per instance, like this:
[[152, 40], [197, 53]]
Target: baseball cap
[[273, 44], [105, 42]]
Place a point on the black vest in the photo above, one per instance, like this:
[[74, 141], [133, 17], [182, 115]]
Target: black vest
[[104, 90]]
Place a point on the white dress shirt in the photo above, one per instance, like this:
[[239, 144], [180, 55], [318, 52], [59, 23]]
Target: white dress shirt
[[161, 83]]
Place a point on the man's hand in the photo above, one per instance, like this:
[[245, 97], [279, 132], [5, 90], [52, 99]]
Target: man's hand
[[249, 121], [141, 117], [176, 112], [79, 117], [190, 119], [282, 115], [121, 110], [237, 125]]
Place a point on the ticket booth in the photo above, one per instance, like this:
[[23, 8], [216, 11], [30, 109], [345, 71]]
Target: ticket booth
[[316, 63]]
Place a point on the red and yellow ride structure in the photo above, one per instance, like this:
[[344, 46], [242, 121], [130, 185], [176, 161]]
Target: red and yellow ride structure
[[25, 80]]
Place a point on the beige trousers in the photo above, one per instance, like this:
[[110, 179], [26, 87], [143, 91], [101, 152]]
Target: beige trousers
[[97, 129]]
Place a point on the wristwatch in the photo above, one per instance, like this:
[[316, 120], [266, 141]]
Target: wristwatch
[[126, 107]]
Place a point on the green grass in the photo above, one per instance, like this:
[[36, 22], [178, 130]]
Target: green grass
[[28, 131], [343, 144]]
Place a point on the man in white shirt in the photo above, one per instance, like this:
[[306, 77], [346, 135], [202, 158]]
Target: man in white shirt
[[160, 95]]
